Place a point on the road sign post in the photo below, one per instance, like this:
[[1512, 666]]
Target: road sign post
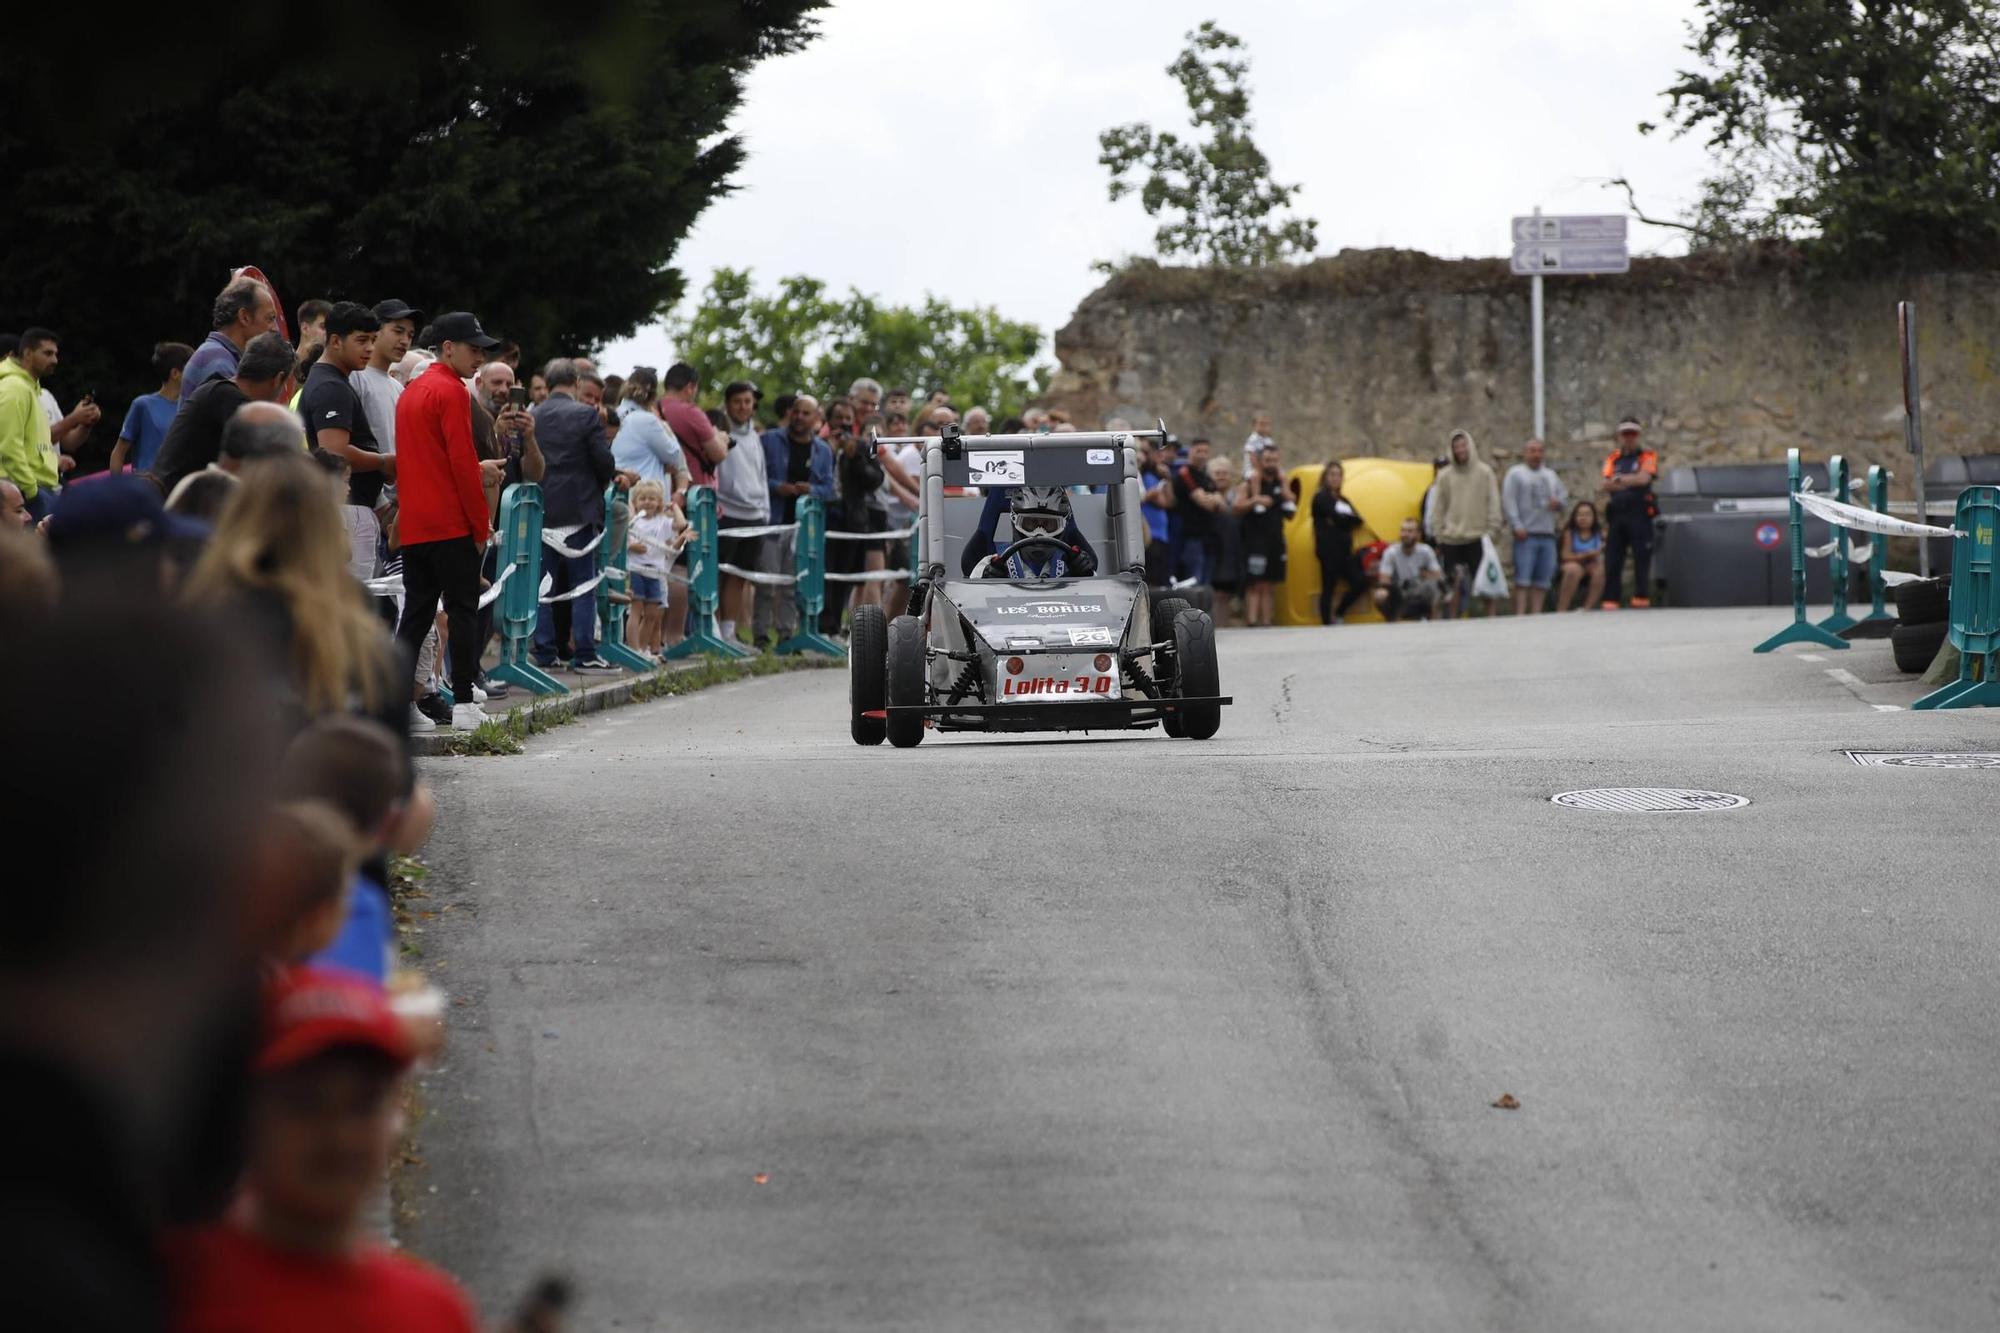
[[1913, 418], [1563, 245]]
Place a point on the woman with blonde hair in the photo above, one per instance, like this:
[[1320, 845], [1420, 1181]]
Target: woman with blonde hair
[[279, 560]]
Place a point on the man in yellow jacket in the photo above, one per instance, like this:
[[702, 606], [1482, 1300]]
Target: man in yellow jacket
[[27, 454]]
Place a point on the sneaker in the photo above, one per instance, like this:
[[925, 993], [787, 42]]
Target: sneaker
[[435, 708], [466, 717], [1639, 603], [1608, 606], [478, 694], [419, 723], [495, 689], [592, 665]]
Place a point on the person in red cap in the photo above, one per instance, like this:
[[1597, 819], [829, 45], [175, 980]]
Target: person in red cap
[[294, 1254]]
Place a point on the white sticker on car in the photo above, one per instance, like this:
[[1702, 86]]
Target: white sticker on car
[[997, 467], [1096, 636], [1100, 457]]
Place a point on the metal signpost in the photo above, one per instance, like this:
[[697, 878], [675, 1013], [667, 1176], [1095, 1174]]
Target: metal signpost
[[1563, 245], [1913, 419]]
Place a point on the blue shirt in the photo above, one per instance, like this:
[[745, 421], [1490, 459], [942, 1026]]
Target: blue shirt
[[365, 936], [215, 359], [643, 445], [146, 427]]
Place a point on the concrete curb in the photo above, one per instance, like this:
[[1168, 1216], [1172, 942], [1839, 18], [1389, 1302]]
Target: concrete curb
[[554, 708]]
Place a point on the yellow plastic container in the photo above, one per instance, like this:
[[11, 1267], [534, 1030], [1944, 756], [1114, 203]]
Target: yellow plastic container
[[1384, 491]]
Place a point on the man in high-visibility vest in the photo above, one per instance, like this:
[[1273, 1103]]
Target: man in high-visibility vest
[[1628, 516]]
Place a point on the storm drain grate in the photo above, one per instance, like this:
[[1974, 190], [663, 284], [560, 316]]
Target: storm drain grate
[[1649, 800], [1925, 758]]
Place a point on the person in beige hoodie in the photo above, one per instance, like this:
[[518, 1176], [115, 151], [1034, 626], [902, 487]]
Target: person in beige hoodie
[[1468, 508]]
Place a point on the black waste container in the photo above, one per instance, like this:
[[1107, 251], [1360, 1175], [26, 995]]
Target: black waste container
[[1724, 536]]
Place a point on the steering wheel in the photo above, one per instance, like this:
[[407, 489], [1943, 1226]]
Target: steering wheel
[[1037, 539]]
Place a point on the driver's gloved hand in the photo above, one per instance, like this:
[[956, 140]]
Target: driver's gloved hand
[[1083, 560], [995, 570]]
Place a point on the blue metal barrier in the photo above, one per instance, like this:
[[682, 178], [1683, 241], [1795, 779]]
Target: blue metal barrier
[[809, 566], [704, 584], [1879, 620], [1839, 620], [520, 603], [1974, 627], [613, 613], [1800, 630]]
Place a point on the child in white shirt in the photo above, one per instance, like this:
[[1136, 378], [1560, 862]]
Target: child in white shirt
[[657, 535]]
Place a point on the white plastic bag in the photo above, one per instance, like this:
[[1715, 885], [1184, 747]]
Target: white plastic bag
[[1491, 580]]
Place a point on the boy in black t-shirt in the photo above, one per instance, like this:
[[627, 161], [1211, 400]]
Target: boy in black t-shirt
[[335, 422]]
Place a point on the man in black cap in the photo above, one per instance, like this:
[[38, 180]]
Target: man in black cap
[[374, 385]]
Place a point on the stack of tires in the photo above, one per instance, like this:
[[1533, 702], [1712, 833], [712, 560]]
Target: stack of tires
[[1923, 611]]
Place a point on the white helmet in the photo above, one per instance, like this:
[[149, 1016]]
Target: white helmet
[[1039, 511]]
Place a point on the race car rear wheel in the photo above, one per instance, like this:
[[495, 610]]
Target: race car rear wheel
[[1164, 611], [866, 674], [1197, 673], [905, 679]]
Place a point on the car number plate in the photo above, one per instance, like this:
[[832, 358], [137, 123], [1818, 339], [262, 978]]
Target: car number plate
[[1056, 677]]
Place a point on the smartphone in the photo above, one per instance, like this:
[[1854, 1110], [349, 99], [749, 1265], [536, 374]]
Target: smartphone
[[517, 396]]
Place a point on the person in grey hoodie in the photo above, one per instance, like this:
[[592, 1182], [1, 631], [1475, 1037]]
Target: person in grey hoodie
[[1534, 498], [1468, 509]]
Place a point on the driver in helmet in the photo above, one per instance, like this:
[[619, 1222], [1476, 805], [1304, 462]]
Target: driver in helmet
[[1035, 512]]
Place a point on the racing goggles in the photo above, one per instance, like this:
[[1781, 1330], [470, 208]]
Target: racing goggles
[[1038, 524]]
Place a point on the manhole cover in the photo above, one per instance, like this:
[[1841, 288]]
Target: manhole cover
[[1925, 758], [1649, 800]]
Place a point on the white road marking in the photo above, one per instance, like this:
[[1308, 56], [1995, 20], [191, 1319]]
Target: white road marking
[[1845, 677], [1810, 657], [1887, 708]]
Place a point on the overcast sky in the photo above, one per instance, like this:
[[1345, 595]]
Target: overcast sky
[[920, 146]]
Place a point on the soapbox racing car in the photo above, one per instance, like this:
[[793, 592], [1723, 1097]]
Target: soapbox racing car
[[1025, 651]]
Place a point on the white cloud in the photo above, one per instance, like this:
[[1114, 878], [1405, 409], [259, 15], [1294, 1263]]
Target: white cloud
[[952, 148]]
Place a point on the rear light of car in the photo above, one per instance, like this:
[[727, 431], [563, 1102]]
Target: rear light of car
[[1014, 666], [1103, 662]]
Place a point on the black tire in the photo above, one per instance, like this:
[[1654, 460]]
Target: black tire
[[866, 674], [1915, 646], [1164, 611], [1197, 673], [1923, 601], [905, 660]]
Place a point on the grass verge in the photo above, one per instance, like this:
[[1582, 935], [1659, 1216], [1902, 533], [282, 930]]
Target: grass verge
[[506, 734]]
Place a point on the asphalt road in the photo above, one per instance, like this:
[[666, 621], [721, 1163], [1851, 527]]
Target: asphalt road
[[760, 1030]]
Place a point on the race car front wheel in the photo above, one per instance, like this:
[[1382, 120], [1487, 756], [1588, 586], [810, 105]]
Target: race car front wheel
[[867, 661], [1198, 675], [905, 680]]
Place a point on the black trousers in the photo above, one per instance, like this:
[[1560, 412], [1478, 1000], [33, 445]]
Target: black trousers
[[1628, 530], [447, 569], [1335, 567]]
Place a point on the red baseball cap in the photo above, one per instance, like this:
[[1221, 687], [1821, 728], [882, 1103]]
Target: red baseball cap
[[311, 1010]]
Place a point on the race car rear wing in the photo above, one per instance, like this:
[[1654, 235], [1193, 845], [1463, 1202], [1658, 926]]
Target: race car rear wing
[[1096, 458]]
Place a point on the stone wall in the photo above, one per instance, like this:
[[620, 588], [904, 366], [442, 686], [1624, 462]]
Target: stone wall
[[1385, 352]]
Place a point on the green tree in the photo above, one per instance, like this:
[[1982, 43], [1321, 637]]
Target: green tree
[[1217, 192], [1868, 130], [538, 165], [799, 338]]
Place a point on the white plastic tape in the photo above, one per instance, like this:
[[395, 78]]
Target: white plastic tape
[[579, 590], [757, 576], [1859, 553], [1867, 520], [555, 539], [892, 535], [1822, 552], [492, 594], [770, 530], [876, 576], [391, 586]]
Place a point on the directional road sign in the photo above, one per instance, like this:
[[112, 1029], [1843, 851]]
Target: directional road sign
[[1555, 228], [1571, 259]]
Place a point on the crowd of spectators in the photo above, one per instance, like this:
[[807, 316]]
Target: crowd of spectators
[[1211, 523]]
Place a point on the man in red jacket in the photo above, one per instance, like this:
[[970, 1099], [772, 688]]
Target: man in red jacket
[[441, 519]]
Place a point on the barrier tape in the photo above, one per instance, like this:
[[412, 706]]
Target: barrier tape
[[894, 534], [756, 576], [1867, 520], [554, 539], [492, 594], [392, 586], [768, 530], [589, 585], [876, 576]]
